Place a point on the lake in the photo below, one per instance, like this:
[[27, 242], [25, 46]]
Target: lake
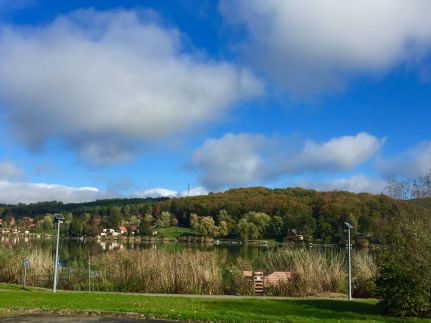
[[77, 250], [131, 265]]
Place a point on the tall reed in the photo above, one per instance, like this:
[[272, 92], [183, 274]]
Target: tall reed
[[314, 272], [155, 271], [364, 271], [39, 271], [150, 271]]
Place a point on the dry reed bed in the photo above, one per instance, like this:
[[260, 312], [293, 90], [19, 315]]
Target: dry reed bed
[[40, 270], [145, 271], [316, 272], [155, 271]]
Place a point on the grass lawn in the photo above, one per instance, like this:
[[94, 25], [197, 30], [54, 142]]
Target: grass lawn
[[175, 232], [194, 309]]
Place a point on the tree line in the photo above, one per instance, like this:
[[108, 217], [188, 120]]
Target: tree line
[[245, 213]]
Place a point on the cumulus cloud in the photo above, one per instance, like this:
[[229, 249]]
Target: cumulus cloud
[[413, 162], [20, 192], [244, 159], [8, 171], [235, 159], [341, 153], [164, 192], [355, 184], [101, 81], [310, 46], [156, 192]]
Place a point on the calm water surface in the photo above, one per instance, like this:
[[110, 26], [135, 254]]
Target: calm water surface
[[77, 250]]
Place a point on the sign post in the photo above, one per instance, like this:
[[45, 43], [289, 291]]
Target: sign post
[[26, 263]]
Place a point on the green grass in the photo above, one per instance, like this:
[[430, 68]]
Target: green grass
[[175, 232], [194, 309]]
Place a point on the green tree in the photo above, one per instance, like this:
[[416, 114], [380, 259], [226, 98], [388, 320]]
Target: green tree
[[258, 223], [222, 230], [114, 219], [404, 276], [164, 220], [247, 230], [46, 222], [275, 228], [146, 225], [76, 228]]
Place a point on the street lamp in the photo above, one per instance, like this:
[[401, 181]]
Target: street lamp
[[349, 227], [58, 218]]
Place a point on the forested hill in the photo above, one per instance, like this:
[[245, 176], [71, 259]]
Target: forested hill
[[246, 213], [318, 215], [41, 208]]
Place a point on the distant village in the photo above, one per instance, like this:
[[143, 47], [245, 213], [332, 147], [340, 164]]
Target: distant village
[[28, 225]]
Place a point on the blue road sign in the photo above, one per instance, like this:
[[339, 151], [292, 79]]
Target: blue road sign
[[26, 262]]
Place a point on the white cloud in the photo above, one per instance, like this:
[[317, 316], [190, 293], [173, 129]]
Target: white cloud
[[20, 192], [309, 46], [8, 171], [194, 191], [165, 192], [355, 184], [235, 159], [100, 81], [413, 162], [156, 192], [245, 159], [340, 153]]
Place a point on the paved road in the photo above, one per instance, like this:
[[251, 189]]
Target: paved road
[[78, 319]]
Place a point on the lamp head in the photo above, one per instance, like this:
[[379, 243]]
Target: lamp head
[[348, 225], [58, 217]]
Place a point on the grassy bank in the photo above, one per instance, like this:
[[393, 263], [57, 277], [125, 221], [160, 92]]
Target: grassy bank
[[176, 232], [13, 301]]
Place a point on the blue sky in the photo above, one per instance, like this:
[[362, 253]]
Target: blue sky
[[141, 98]]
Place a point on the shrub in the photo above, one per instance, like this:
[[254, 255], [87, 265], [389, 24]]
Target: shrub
[[404, 275]]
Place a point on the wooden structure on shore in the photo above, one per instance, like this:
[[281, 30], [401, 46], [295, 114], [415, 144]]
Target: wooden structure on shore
[[262, 280]]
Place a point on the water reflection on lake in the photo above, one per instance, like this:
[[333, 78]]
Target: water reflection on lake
[[77, 250]]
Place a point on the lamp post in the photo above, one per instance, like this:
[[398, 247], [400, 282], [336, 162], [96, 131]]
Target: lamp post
[[349, 227], [58, 218]]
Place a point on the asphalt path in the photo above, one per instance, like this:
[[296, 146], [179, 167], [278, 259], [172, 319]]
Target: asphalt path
[[79, 319]]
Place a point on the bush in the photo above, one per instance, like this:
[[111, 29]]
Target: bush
[[404, 275]]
